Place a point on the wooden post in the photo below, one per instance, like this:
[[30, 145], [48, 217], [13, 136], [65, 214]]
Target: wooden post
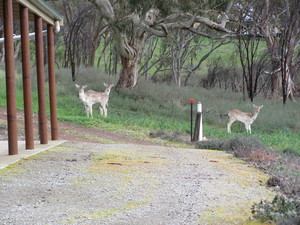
[[52, 82], [10, 78], [41, 79], [28, 118]]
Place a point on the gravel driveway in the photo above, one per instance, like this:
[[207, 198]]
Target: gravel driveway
[[89, 183]]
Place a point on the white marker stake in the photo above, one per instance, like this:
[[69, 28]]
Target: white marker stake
[[199, 111]]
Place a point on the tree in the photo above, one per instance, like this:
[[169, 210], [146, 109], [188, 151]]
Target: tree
[[254, 62], [280, 23], [252, 54], [81, 34], [288, 41], [277, 22], [133, 21]]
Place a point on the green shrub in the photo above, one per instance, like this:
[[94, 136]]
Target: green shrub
[[234, 144], [213, 144], [291, 151], [281, 210], [173, 137]]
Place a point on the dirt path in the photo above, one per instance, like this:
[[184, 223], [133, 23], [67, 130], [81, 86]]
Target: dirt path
[[88, 183], [71, 132]]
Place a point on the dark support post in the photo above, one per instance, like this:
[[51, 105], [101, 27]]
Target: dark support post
[[192, 102], [52, 82], [24, 22], [10, 78], [41, 79]]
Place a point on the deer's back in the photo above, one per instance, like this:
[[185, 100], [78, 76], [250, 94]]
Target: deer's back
[[96, 97], [239, 115]]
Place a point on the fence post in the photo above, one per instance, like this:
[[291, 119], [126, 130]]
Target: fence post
[[192, 101], [198, 133]]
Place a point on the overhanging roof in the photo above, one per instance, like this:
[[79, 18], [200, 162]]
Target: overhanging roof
[[36, 7]]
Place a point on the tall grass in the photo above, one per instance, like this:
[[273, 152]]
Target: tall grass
[[152, 107]]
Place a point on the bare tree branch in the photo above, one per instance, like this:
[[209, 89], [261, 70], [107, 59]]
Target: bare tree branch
[[105, 8]]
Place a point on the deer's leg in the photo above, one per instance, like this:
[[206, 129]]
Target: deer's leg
[[248, 127], [91, 110], [105, 111], [86, 110], [101, 110]]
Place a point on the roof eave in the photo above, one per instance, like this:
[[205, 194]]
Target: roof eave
[[40, 8]]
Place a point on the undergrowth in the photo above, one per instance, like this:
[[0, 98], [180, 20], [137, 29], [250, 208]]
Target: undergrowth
[[283, 168]]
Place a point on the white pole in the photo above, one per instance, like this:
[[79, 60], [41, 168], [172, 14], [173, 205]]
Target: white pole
[[199, 110], [18, 37]]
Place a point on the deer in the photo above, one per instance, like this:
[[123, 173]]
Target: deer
[[246, 118], [91, 97]]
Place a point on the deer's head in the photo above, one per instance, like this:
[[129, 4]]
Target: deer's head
[[108, 88], [257, 108], [80, 88]]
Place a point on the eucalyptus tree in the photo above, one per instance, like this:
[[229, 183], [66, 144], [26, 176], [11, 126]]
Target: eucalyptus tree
[[253, 54], [133, 21], [281, 26], [180, 54], [81, 34], [278, 23]]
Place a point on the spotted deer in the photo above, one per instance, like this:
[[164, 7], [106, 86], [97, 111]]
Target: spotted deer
[[91, 97], [246, 118]]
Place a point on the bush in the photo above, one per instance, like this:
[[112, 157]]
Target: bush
[[238, 145], [213, 144], [174, 137], [281, 210], [291, 152]]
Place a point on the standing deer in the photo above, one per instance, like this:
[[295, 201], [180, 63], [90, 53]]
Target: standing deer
[[246, 118], [92, 97]]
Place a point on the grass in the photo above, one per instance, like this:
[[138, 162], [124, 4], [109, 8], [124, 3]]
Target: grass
[[152, 107]]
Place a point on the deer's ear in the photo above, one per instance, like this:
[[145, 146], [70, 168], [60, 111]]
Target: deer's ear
[[76, 85], [112, 85], [105, 84], [84, 86], [254, 106], [261, 106]]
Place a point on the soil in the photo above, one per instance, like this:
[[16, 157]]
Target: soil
[[70, 132], [101, 177]]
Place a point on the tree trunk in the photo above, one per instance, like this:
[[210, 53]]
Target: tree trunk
[[91, 57], [275, 78], [129, 73]]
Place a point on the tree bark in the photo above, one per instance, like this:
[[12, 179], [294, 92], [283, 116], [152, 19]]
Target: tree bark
[[129, 73]]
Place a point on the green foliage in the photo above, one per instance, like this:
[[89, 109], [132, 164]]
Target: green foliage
[[281, 210]]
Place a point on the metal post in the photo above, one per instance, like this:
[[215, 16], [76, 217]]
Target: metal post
[[10, 78], [28, 118], [41, 79], [192, 101], [52, 83]]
